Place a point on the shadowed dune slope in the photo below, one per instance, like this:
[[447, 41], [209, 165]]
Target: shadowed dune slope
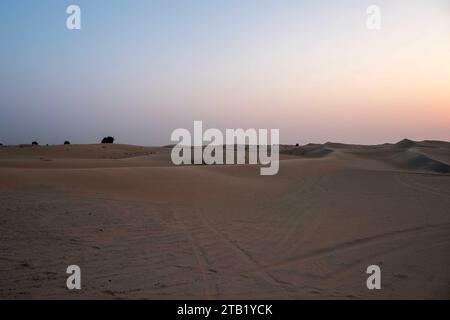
[[429, 156]]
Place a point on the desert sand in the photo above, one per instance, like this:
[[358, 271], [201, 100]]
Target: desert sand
[[141, 228]]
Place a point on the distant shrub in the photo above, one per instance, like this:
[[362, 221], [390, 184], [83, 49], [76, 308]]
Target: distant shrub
[[297, 145], [1, 144], [34, 143], [66, 142], [108, 140]]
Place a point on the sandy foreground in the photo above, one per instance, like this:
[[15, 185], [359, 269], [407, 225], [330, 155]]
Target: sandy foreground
[[140, 228]]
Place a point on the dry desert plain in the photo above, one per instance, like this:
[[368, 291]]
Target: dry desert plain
[[141, 228]]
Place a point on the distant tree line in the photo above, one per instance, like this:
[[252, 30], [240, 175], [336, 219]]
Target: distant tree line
[[107, 139]]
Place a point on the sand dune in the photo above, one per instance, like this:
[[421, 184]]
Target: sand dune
[[311, 150], [426, 156], [141, 228], [414, 160], [83, 156]]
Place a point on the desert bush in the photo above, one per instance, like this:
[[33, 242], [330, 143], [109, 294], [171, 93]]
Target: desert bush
[[108, 140], [66, 142], [34, 143], [297, 145]]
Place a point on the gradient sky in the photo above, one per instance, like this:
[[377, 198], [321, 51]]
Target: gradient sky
[[140, 69]]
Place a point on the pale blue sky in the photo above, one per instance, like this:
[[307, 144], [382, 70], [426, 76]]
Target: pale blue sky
[[139, 69]]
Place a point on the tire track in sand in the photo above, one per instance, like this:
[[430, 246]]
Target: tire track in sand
[[210, 288], [246, 257], [349, 245]]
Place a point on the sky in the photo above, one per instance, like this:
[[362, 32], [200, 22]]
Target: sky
[[139, 69]]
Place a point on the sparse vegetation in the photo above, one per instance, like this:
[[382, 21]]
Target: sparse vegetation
[[34, 143], [297, 145], [108, 140], [66, 142]]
